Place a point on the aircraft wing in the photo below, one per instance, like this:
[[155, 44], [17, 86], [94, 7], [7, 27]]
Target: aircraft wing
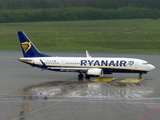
[[82, 70]]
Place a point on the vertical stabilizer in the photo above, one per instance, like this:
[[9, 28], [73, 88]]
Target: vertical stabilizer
[[28, 48]]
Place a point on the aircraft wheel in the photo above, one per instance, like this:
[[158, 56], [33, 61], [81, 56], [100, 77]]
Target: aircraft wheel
[[80, 76], [87, 77]]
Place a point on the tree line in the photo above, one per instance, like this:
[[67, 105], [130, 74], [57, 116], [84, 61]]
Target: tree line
[[76, 13], [102, 4]]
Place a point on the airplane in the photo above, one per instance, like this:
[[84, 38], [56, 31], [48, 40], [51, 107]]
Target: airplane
[[86, 66]]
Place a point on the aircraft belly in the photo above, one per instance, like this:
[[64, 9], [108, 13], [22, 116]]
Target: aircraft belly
[[110, 70], [105, 70], [63, 69]]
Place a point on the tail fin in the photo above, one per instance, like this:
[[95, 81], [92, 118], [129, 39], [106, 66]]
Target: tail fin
[[28, 48]]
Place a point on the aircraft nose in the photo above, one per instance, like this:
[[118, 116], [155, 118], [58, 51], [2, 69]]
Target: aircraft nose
[[151, 67]]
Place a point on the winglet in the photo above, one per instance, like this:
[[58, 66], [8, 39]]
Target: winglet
[[87, 54]]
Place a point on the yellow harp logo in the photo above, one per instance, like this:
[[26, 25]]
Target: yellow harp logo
[[26, 46]]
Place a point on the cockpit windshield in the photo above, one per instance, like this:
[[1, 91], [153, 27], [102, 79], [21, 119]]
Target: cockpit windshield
[[145, 63]]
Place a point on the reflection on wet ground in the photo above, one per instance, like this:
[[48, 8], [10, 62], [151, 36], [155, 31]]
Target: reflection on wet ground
[[104, 89], [115, 90]]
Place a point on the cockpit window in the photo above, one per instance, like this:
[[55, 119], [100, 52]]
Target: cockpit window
[[145, 63]]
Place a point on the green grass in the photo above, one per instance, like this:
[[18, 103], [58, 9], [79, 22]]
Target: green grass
[[129, 36]]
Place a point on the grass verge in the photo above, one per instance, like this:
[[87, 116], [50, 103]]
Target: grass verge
[[127, 36]]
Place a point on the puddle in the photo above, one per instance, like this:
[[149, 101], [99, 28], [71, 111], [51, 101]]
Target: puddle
[[89, 90]]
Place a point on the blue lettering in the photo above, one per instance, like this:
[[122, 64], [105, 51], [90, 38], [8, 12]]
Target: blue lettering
[[83, 62], [96, 63], [117, 63], [90, 62], [111, 63], [104, 63], [122, 62]]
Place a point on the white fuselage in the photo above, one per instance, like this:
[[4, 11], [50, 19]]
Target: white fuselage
[[83, 64]]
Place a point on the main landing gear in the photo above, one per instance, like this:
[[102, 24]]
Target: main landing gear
[[87, 77], [80, 77]]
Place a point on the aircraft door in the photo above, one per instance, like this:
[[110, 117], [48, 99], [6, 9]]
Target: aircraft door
[[136, 64], [62, 63]]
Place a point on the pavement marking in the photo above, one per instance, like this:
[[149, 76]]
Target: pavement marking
[[150, 114], [105, 79], [130, 80], [74, 90], [39, 109]]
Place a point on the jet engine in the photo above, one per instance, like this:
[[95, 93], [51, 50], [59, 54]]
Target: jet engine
[[95, 72]]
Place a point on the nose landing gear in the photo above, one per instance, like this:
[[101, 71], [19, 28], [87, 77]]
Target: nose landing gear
[[140, 76]]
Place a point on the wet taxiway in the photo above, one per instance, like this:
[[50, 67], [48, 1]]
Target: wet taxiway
[[26, 93]]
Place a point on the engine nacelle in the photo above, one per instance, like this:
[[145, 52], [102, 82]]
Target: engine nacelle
[[95, 72]]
